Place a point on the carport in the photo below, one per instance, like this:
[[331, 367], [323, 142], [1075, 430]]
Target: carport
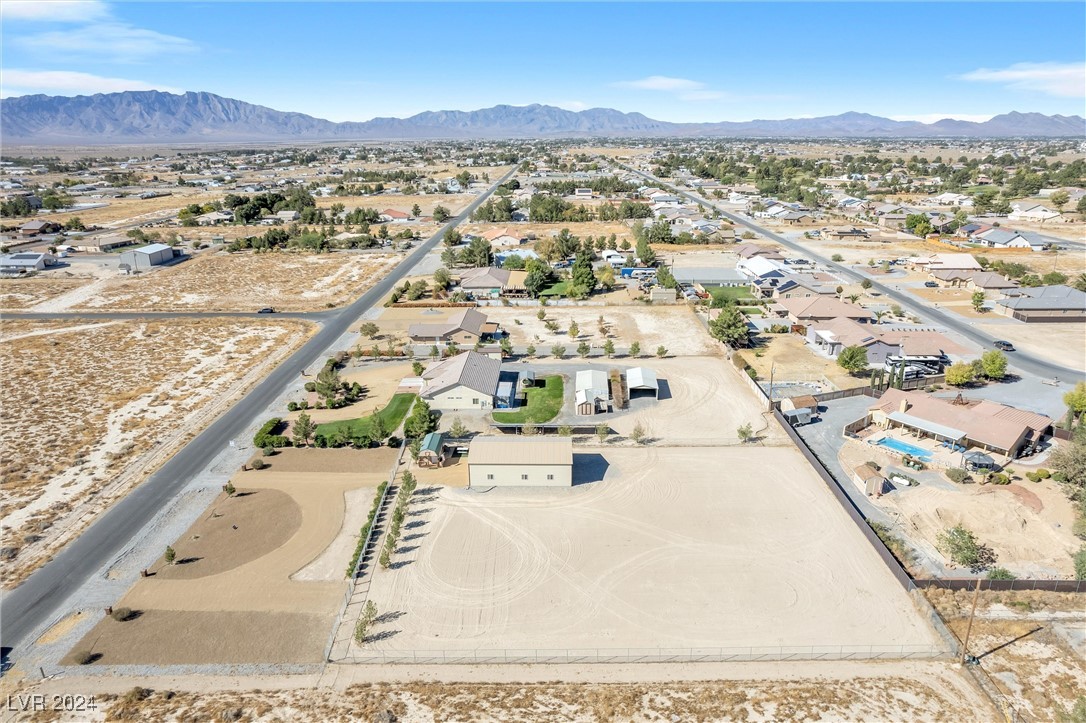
[[642, 379]]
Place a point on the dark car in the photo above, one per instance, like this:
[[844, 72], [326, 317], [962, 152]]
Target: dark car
[[1004, 346], [266, 310], [931, 284]]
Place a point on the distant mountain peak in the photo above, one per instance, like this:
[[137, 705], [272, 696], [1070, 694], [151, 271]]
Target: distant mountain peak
[[151, 116]]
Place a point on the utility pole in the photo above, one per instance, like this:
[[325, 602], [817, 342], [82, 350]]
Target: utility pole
[[969, 628]]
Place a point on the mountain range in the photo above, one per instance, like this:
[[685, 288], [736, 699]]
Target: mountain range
[[156, 117]]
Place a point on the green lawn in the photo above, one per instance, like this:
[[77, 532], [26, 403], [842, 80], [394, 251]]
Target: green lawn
[[734, 293], [558, 289], [752, 310], [391, 415], [544, 403]]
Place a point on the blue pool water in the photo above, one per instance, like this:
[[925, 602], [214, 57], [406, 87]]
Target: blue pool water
[[905, 448]]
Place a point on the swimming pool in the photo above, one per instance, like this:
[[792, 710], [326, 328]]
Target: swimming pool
[[905, 448]]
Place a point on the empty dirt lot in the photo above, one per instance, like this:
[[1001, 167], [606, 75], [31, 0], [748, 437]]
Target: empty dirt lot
[[673, 548], [244, 282], [20, 294], [235, 596], [110, 423]]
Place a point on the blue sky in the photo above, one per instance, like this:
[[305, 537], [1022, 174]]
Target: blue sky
[[675, 62]]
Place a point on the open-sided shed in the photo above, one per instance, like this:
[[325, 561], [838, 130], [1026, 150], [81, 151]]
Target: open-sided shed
[[643, 380]]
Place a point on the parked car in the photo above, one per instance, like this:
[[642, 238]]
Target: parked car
[[266, 310], [1004, 346], [931, 284]]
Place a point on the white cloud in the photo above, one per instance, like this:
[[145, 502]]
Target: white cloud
[[69, 82], [1061, 79], [118, 42], [702, 95], [54, 11], [661, 82], [933, 117]]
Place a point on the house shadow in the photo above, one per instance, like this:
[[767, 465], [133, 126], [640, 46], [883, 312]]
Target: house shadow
[[588, 468], [664, 390]]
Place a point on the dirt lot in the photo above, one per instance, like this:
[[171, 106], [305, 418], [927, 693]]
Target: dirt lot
[[245, 282], [673, 326], [258, 557], [1061, 343], [665, 551], [1030, 542], [544, 230], [110, 424], [790, 359], [454, 202]]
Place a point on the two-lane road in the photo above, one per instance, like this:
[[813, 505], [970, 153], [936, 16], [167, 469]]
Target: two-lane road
[[36, 600], [1023, 361]]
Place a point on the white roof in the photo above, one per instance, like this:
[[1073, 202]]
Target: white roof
[[152, 248], [593, 382], [641, 378]]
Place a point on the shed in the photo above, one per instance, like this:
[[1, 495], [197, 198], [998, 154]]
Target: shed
[[659, 294], [432, 452], [591, 387], [642, 379], [869, 480], [147, 256], [534, 461], [803, 401], [797, 417]]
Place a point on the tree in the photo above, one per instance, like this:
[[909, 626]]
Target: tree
[[1059, 199], [457, 430], [1079, 559], [367, 616], [417, 368], [730, 327], [416, 211], [635, 349], [441, 214], [574, 330], [645, 253], [745, 433], [558, 351], [530, 351], [606, 278], [602, 432], [993, 364], [661, 351], [609, 348], [1053, 278], [506, 346], [960, 545], [442, 278], [421, 422], [853, 359], [434, 351], [303, 429], [538, 277], [541, 314], [977, 299], [666, 278], [328, 383], [170, 555], [838, 258], [369, 330], [866, 284], [1081, 206], [581, 274], [1076, 399], [959, 374], [637, 434], [583, 349], [452, 237]]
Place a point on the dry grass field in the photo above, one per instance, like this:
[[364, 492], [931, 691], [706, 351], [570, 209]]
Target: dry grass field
[[543, 230], [898, 692], [236, 574], [246, 282], [1061, 343], [21, 294], [119, 397], [454, 202]]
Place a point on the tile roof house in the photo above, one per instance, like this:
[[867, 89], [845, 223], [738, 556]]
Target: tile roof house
[[466, 326], [746, 251], [944, 262], [465, 381], [491, 281], [1045, 304], [501, 237], [821, 308], [990, 281], [991, 426]]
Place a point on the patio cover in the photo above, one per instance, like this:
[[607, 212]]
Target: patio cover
[[925, 425]]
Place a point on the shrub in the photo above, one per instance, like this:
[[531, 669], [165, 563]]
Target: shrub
[[121, 614], [310, 386], [958, 475], [999, 479], [170, 555], [638, 434], [258, 463], [262, 434], [1043, 474], [84, 657], [268, 451], [1079, 528], [394, 441], [1000, 573], [874, 465], [960, 545], [229, 489], [1080, 563], [292, 406]]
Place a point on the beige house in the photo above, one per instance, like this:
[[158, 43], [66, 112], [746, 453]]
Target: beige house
[[465, 327], [513, 461], [464, 382], [823, 308]]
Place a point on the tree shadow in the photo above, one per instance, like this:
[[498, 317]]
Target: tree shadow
[[245, 494], [390, 616], [416, 513], [408, 548], [414, 525], [415, 536], [187, 560], [399, 563], [383, 635]]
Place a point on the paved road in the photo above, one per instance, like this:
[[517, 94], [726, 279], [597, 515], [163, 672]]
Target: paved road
[[37, 599], [318, 316], [1021, 360]]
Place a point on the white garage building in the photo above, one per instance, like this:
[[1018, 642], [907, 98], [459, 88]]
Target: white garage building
[[642, 379], [520, 462], [147, 256]]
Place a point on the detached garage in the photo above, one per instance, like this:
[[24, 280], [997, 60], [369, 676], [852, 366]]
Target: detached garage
[[643, 380], [520, 462]]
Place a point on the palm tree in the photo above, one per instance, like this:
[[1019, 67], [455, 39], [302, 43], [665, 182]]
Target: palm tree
[[853, 298], [878, 316]]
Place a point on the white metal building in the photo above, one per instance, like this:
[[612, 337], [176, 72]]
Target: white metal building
[[147, 256], [642, 379], [591, 391], [533, 461]]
